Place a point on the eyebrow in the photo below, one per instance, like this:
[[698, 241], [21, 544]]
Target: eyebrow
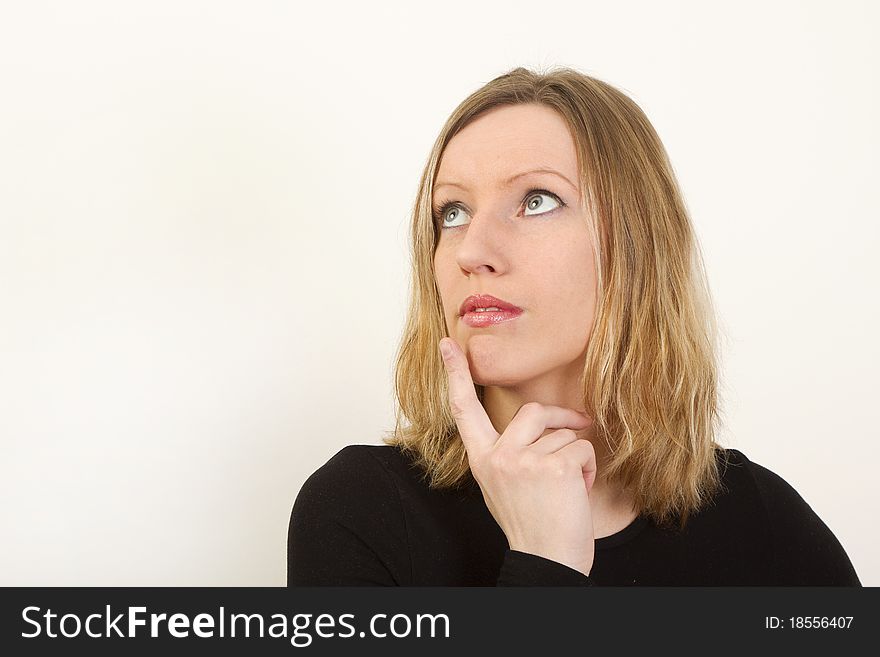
[[507, 182]]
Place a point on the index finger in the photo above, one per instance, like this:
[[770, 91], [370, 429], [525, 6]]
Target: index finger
[[476, 429]]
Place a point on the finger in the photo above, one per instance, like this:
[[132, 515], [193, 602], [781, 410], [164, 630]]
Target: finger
[[581, 451], [476, 429], [532, 419], [555, 440]]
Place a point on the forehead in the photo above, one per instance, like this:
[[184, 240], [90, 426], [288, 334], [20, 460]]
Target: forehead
[[507, 140]]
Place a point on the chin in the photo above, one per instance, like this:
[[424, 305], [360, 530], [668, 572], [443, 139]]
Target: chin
[[489, 368]]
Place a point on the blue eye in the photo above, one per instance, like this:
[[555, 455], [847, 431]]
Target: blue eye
[[536, 195], [532, 200]]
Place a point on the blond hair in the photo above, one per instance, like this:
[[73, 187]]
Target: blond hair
[[650, 371]]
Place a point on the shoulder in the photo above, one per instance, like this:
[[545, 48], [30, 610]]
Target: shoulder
[[779, 497], [806, 551], [347, 526], [351, 459], [359, 484], [739, 471], [780, 501], [354, 473]]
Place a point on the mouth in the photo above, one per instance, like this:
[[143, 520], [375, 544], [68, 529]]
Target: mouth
[[486, 303], [483, 310]]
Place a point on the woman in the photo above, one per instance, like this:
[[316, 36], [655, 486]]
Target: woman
[[566, 434]]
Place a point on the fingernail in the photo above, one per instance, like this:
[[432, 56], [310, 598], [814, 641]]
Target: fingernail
[[445, 349]]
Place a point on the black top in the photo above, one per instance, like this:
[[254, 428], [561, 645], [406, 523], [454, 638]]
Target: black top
[[366, 518]]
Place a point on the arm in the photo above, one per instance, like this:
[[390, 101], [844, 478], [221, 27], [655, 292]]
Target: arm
[[346, 527], [805, 551], [524, 569]]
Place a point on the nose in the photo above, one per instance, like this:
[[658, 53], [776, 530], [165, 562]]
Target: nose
[[483, 245]]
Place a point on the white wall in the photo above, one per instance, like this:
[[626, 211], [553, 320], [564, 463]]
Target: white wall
[[203, 259]]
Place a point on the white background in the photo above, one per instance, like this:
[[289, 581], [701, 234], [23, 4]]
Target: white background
[[203, 249]]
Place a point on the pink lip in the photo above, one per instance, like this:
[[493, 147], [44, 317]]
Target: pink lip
[[486, 301], [489, 318]]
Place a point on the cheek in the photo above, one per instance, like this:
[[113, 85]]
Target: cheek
[[443, 280], [569, 291]]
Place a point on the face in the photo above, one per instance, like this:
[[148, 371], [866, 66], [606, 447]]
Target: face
[[525, 242]]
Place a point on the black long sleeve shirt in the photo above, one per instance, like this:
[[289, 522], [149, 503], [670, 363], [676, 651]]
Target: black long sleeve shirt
[[366, 518]]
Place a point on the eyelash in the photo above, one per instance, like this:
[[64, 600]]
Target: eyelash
[[444, 207]]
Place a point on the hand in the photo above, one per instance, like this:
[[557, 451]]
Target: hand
[[536, 486]]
